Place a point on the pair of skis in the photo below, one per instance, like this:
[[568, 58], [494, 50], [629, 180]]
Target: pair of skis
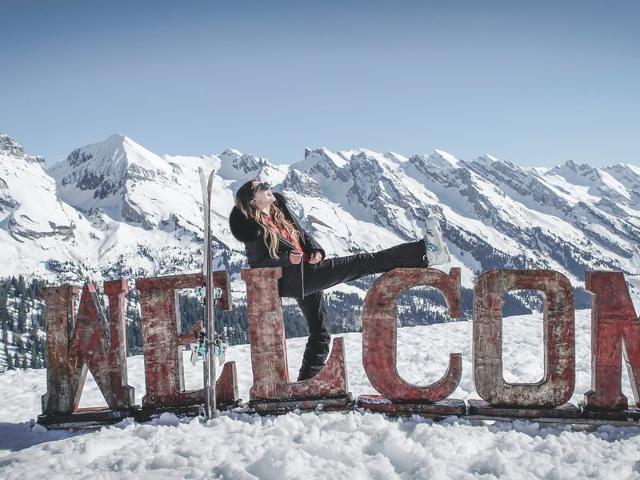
[[208, 343]]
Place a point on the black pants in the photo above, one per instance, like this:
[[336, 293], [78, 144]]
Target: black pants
[[333, 271]]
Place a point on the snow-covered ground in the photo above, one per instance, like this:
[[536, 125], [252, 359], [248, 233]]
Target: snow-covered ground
[[354, 445]]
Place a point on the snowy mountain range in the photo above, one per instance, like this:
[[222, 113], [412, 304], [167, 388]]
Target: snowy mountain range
[[115, 209]]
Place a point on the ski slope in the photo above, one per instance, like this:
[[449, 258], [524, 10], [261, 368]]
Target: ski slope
[[354, 445]]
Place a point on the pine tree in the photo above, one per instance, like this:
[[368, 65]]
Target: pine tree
[[33, 345], [42, 353], [34, 356], [22, 287], [19, 342], [4, 313], [9, 322], [22, 315], [35, 288], [7, 355]]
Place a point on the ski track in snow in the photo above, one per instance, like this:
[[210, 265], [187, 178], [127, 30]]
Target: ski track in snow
[[354, 445]]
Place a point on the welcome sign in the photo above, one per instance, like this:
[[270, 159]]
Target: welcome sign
[[83, 342]]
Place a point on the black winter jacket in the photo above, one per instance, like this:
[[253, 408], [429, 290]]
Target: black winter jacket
[[251, 233]]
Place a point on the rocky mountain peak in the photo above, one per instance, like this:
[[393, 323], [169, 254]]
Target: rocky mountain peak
[[244, 163], [576, 172], [365, 163], [116, 175], [437, 159], [572, 166], [322, 164], [234, 165], [488, 160], [300, 182], [10, 148]]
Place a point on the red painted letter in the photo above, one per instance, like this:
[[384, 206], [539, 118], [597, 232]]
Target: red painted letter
[[614, 323], [86, 343], [556, 387], [269, 348], [164, 376], [379, 333]]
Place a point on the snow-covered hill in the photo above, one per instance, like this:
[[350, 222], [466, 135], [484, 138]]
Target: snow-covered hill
[[115, 209], [327, 445], [34, 224]]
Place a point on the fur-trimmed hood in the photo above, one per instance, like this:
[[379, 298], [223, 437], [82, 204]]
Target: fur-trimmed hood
[[247, 229]]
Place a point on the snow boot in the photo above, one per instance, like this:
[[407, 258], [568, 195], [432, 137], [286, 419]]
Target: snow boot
[[436, 250]]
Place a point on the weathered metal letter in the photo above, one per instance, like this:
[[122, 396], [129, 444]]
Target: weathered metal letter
[[269, 348], [614, 323], [379, 334], [86, 343], [557, 384], [164, 376]]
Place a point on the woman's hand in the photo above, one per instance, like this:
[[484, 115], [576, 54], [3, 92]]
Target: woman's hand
[[295, 256], [315, 257]]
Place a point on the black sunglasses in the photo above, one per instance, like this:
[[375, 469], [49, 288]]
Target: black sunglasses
[[261, 186]]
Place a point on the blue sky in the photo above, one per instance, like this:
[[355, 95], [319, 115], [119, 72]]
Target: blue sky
[[536, 83]]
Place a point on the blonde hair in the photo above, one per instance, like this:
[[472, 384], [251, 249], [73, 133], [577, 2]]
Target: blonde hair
[[244, 202]]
